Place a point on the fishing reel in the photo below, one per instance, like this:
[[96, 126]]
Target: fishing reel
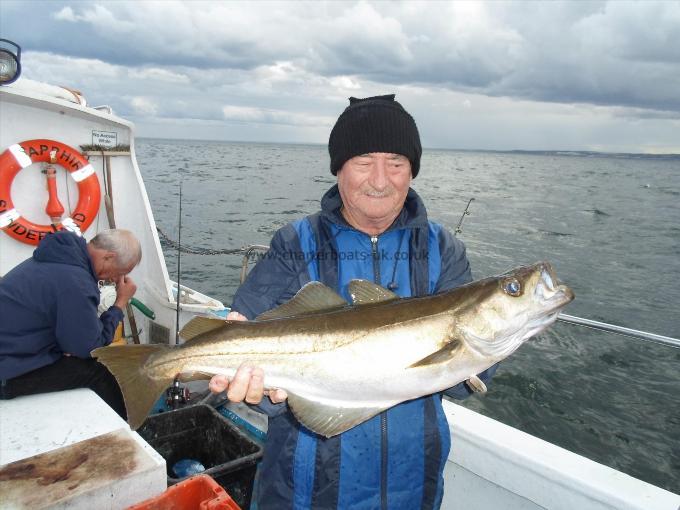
[[177, 395]]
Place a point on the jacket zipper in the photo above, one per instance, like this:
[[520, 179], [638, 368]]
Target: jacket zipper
[[383, 415], [376, 259]]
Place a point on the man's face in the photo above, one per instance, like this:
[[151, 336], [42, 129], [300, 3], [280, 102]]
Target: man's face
[[373, 188], [106, 265]]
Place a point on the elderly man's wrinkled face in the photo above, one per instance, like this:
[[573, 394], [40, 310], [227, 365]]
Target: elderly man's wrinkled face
[[373, 188], [106, 266]]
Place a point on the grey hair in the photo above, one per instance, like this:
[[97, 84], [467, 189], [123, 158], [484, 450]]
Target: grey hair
[[123, 243]]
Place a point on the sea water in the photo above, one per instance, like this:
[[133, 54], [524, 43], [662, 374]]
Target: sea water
[[610, 225]]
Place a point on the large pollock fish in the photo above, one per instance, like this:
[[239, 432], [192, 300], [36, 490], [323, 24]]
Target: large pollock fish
[[342, 364]]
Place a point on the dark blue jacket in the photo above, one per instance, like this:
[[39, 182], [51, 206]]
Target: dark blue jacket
[[394, 460], [48, 307]]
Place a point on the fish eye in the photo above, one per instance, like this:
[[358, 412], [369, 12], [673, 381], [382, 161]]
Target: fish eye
[[512, 287]]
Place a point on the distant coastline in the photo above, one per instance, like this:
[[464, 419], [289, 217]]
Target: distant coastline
[[585, 154], [568, 153]]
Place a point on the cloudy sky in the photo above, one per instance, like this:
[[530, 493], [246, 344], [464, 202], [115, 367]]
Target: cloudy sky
[[601, 75]]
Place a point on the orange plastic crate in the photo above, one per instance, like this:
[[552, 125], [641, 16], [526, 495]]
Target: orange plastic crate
[[199, 492]]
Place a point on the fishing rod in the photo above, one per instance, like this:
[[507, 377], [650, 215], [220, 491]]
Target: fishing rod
[[179, 259], [619, 330], [177, 394], [466, 212]]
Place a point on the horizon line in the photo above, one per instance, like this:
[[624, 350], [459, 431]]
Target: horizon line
[[563, 152]]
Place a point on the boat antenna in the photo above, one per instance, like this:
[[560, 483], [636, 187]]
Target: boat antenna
[[179, 258]]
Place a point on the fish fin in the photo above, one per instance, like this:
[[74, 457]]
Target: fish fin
[[328, 420], [476, 384], [140, 392], [199, 325], [312, 297], [443, 355], [364, 292]]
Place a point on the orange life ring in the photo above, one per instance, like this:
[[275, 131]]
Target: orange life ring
[[23, 154]]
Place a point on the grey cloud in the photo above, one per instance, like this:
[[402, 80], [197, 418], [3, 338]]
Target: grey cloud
[[131, 33], [590, 58], [602, 53]]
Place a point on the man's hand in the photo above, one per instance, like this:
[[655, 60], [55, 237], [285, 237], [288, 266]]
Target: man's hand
[[125, 289], [248, 381], [246, 385], [235, 316]]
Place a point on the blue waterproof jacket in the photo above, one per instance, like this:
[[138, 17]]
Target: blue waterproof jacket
[[396, 459], [48, 307]]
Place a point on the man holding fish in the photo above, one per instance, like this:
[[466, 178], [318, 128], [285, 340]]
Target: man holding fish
[[372, 226], [354, 391]]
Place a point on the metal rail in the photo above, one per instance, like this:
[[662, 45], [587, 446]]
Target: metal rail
[[249, 250], [620, 330]]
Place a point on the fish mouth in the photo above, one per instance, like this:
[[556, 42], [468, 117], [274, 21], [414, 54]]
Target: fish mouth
[[548, 276], [556, 301], [552, 293]]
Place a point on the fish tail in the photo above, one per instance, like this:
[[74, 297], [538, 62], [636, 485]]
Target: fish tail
[[140, 391]]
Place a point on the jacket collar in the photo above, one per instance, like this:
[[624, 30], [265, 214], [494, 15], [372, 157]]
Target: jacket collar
[[412, 215], [65, 247]]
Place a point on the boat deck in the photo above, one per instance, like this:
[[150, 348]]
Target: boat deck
[[70, 450]]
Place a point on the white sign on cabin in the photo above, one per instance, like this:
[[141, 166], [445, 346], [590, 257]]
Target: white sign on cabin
[[105, 138]]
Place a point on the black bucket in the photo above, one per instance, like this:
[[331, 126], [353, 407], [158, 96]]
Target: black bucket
[[200, 433]]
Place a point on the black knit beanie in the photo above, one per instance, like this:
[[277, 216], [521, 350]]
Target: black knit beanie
[[374, 124]]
